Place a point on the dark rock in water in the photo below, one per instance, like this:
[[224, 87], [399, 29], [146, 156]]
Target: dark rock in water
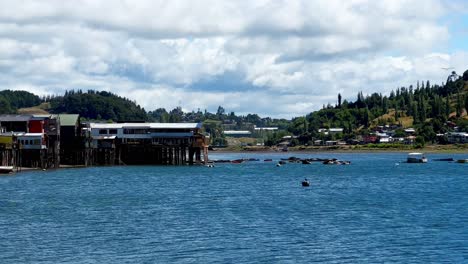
[[221, 161], [445, 159]]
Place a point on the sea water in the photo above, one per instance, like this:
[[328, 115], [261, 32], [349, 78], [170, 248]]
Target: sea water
[[378, 209]]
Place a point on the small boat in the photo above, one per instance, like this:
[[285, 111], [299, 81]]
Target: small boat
[[306, 161], [305, 183], [462, 161], [6, 169], [416, 158], [268, 160], [237, 161]]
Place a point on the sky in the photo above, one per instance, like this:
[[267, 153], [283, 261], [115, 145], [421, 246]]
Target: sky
[[277, 58]]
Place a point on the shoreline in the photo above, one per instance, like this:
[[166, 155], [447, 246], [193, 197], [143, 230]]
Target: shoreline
[[442, 149], [433, 149]]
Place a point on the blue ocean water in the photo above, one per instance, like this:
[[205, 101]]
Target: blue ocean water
[[378, 209]]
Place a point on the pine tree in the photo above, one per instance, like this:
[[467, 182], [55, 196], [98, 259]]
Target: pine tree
[[466, 102], [447, 107], [414, 110], [385, 105]]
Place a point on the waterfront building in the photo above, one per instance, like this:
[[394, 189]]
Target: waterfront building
[[149, 143]]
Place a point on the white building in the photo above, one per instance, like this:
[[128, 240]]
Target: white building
[[265, 128], [330, 131], [149, 133], [237, 133], [31, 140], [457, 137]]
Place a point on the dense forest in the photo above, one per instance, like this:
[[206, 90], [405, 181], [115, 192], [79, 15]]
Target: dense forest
[[11, 101], [430, 109], [97, 106]]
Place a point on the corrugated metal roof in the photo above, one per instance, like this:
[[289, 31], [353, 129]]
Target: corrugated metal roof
[[145, 125], [104, 137], [15, 118], [40, 117], [28, 134], [68, 119], [237, 132]]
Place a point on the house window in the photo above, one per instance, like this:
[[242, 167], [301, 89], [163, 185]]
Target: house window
[[102, 131], [113, 131]]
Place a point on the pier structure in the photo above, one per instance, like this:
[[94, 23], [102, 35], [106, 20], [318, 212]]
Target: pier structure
[[145, 143], [29, 141], [48, 141]]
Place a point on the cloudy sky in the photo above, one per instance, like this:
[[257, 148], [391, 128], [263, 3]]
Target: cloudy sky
[[272, 57]]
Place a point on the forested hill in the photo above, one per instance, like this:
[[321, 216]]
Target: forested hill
[[97, 105], [11, 101], [430, 109]]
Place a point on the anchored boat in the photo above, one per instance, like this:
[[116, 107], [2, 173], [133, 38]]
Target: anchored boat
[[6, 169], [416, 157]]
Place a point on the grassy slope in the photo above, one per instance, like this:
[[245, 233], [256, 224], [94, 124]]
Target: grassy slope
[[38, 110]]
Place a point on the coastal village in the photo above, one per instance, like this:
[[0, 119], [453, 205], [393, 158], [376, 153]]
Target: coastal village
[[386, 134], [55, 140]]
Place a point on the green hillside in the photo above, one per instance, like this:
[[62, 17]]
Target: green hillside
[[98, 105], [11, 101]]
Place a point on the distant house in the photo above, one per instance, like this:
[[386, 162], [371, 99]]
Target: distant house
[[31, 141], [265, 128], [330, 131], [70, 138], [383, 138], [409, 140], [335, 130], [410, 131], [370, 139], [237, 133], [457, 137], [15, 123], [323, 131]]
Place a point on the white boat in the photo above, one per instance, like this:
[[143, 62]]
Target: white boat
[[6, 169], [416, 157]]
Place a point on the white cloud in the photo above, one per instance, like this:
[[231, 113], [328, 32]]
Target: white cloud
[[289, 57]]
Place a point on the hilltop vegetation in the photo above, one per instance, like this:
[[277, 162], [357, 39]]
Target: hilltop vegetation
[[11, 101], [98, 106]]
